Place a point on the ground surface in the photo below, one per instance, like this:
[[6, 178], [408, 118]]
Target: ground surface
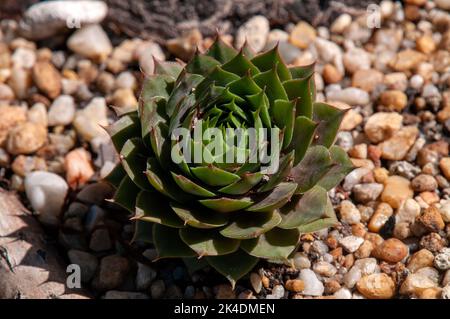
[[394, 210]]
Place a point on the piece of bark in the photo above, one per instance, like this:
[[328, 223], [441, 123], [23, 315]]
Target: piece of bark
[[29, 267]]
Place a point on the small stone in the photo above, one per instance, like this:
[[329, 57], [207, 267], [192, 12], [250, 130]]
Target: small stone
[[47, 78], [91, 42], [6, 93], [330, 52], [77, 164], [381, 126], [351, 243], [433, 242], [442, 260], [184, 47], [115, 294], [391, 250], [367, 79], [145, 53], [364, 250], [349, 213], [354, 178], [432, 219], [88, 263], [408, 211], [359, 151], [394, 100], [396, 190], [225, 291], [89, 120], [124, 100], [376, 286], [407, 60], [423, 182], [445, 211], [62, 111], [351, 96], [422, 258], [38, 114], [365, 193], [425, 44], [415, 284], [380, 217], [26, 138], [396, 147], [144, 277], [324, 268], [331, 74], [100, 240], [351, 120], [113, 270], [20, 82], [313, 286], [301, 261], [295, 285], [444, 165], [416, 82], [11, 117], [341, 23], [95, 193], [302, 35], [24, 58], [356, 59], [255, 32], [256, 282], [46, 192], [443, 4], [343, 293], [352, 277]]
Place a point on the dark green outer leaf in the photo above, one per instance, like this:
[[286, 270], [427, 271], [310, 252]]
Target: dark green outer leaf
[[208, 242], [168, 243], [341, 167], [199, 217], [221, 51], [125, 195], [328, 220], [116, 175], [276, 198], [143, 232], [247, 226], [329, 119], [226, 205], [134, 162], [304, 130], [154, 207]]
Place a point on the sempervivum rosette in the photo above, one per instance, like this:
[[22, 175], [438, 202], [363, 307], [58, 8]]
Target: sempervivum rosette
[[201, 195]]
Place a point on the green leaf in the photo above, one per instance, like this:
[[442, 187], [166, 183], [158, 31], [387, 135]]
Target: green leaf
[[302, 71], [283, 113], [134, 162], [329, 119], [190, 187], [242, 186], [214, 176], [124, 129], [201, 64], [116, 175], [208, 242], [275, 244], [303, 135], [244, 86], [316, 163], [182, 89], [272, 59], [329, 219], [240, 65], [284, 169], [169, 68], [199, 217], [271, 82], [219, 77], [221, 51], [301, 89], [161, 182], [125, 195], [247, 226], [154, 207], [341, 167], [226, 205], [305, 209], [168, 243], [157, 85], [233, 266], [195, 264], [276, 198], [143, 232]]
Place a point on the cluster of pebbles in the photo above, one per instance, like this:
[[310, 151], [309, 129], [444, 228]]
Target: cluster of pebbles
[[392, 240]]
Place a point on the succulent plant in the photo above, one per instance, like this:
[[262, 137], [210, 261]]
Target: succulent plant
[[228, 215]]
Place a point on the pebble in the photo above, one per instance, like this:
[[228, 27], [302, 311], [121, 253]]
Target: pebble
[[391, 250], [396, 147], [352, 277], [157, 289], [349, 213], [6, 93], [88, 263], [302, 35], [445, 211], [356, 59], [442, 260], [396, 190], [324, 268], [351, 243], [38, 114], [416, 81], [91, 42], [380, 217], [295, 285], [406, 60], [144, 276], [416, 284], [89, 120], [408, 211], [256, 282], [100, 240], [47, 78], [330, 52], [444, 165], [443, 4], [255, 32], [113, 270], [354, 178], [351, 96], [381, 126], [45, 19], [23, 58], [313, 286], [331, 74], [78, 167], [422, 258], [394, 100], [184, 47], [365, 193], [367, 79], [145, 54], [432, 219], [341, 23], [301, 261], [62, 111], [376, 286], [11, 117], [46, 192], [277, 293], [124, 101], [26, 138]]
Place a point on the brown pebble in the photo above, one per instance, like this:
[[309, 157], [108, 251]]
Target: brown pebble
[[391, 250], [432, 219], [295, 285]]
